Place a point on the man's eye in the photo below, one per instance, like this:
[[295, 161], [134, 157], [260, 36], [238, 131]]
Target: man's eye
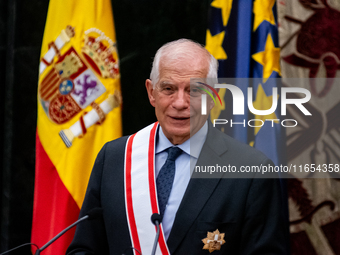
[[194, 92], [167, 90]]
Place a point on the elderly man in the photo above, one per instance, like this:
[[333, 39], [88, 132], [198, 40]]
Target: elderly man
[[151, 172]]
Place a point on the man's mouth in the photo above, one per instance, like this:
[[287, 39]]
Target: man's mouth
[[179, 118]]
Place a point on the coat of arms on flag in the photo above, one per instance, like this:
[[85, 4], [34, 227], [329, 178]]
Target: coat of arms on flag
[[73, 81]]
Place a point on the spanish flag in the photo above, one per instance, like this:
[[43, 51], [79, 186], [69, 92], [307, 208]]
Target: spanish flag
[[78, 111]]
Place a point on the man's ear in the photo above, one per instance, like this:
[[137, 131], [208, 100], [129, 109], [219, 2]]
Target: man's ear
[[150, 90], [212, 104]]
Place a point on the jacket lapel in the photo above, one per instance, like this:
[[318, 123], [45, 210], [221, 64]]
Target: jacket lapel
[[199, 189]]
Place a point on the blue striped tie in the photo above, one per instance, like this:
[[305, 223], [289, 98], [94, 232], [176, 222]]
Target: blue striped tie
[[166, 177]]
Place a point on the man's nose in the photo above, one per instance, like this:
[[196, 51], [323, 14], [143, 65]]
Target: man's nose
[[181, 100]]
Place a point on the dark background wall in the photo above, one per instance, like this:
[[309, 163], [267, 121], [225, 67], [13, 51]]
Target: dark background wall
[[141, 28]]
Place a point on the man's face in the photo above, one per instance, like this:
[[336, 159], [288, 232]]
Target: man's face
[[175, 106]]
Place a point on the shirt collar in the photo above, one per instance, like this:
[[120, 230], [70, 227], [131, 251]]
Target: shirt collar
[[191, 146]]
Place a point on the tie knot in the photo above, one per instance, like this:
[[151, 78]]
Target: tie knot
[[173, 153]]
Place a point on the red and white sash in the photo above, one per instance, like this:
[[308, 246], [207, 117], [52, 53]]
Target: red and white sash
[[140, 191]]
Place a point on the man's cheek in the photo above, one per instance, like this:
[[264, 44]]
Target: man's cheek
[[195, 106]]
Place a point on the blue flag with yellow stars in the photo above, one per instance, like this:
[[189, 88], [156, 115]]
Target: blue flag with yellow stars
[[243, 36]]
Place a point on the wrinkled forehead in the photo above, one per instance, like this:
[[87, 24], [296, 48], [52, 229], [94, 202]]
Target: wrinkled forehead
[[185, 64]]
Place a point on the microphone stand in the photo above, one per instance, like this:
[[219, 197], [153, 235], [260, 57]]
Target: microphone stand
[[156, 220], [92, 214], [156, 239], [60, 234]]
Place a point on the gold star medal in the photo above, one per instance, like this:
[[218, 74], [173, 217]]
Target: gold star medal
[[213, 241]]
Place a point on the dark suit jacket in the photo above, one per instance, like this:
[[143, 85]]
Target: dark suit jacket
[[251, 212]]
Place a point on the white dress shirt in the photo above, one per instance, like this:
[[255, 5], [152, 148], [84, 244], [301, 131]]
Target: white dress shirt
[[185, 164]]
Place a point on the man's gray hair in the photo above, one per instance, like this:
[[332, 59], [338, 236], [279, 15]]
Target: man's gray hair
[[175, 49]]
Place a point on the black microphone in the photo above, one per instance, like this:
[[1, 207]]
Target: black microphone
[[92, 214], [156, 219]]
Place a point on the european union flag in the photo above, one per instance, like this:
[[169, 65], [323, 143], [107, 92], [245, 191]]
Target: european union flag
[[243, 36]]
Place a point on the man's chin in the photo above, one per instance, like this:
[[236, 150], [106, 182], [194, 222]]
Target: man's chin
[[177, 134]]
